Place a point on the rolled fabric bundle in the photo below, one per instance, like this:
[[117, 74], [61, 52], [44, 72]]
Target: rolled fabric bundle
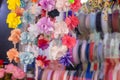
[[104, 23], [115, 21], [92, 22]]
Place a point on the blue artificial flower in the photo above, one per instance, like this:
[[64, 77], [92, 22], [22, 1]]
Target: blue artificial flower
[[23, 4], [26, 57], [28, 17], [27, 37]]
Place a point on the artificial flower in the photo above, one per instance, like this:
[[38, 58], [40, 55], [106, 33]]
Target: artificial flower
[[13, 55], [34, 29], [71, 1], [53, 13], [19, 11], [43, 43], [34, 1], [9, 68], [72, 22], [42, 61], [27, 37], [1, 62], [76, 5], [62, 5], [45, 25], [2, 72], [35, 9], [18, 73], [26, 58], [13, 20], [13, 4], [68, 41], [43, 13], [56, 50], [23, 4], [66, 60], [47, 4], [28, 17], [60, 28], [15, 36]]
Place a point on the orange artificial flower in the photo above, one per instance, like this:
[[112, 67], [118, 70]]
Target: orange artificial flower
[[34, 1], [19, 11], [15, 36], [13, 55]]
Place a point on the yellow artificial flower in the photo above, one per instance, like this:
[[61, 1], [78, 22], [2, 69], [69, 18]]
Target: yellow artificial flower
[[13, 4], [13, 20]]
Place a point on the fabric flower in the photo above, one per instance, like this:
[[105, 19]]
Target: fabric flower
[[60, 28], [66, 60], [13, 55], [68, 41], [43, 43], [2, 72], [47, 4], [72, 22], [62, 5], [13, 20], [1, 62], [13, 4], [15, 36], [27, 37], [56, 50], [28, 17], [23, 4], [26, 58], [9, 68], [34, 1], [76, 5], [45, 25], [19, 11], [53, 13], [42, 61], [34, 29], [18, 73], [35, 9]]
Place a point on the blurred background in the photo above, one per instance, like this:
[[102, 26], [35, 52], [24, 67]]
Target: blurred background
[[5, 45]]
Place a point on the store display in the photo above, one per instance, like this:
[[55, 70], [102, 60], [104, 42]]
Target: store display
[[65, 39]]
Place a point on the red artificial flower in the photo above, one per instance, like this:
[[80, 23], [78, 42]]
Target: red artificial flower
[[43, 43], [76, 5], [43, 60], [72, 22], [1, 62], [68, 41], [43, 13]]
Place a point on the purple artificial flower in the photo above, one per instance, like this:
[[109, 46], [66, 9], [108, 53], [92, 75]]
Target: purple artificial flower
[[45, 25], [47, 4], [66, 60]]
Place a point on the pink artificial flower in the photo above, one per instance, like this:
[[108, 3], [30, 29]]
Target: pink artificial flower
[[68, 41], [72, 22], [76, 5], [16, 72], [2, 72], [62, 5], [19, 73], [9, 68], [45, 25], [47, 4]]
